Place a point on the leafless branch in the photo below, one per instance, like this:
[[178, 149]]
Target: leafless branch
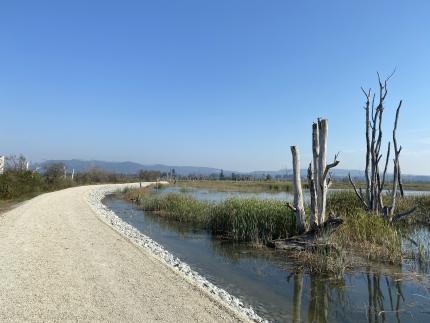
[[385, 168], [360, 196], [400, 216], [332, 165], [291, 207]]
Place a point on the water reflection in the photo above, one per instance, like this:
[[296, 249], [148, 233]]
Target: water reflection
[[329, 300], [377, 309], [275, 286], [297, 296]]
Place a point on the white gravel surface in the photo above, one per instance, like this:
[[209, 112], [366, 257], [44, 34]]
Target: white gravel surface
[[59, 262]]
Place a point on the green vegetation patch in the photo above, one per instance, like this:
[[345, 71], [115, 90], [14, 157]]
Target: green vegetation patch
[[252, 220], [247, 220], [370, 235], [361, 238], [179, 207]]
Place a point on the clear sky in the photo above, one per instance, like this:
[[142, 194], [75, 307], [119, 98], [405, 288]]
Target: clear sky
[[226, 83]]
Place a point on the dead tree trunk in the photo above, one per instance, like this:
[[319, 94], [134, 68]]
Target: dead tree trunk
[[402, 193], [297, 189], [313, 221], [318, 173], [322, 163], [315, 186], [368, 154], [396, 172]]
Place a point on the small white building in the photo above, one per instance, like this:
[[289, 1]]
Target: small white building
[[2, 162]]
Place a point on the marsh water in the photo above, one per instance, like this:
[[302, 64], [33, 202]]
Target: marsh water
[[217, 196], [273, 285]]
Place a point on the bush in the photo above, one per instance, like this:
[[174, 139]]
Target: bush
[[15, 184]]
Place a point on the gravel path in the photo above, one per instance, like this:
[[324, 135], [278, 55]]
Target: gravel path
[[60, 262]]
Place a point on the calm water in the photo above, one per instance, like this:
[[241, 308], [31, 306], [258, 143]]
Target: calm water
[[272, 285], [216, 196]]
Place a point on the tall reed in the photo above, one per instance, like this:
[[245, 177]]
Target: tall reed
[[249, 220]]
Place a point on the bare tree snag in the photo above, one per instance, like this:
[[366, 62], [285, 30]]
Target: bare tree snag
[[375, 181], [297, 189], [322, 161], [315, 163], [368, 159], [318, 172], [313, 221], [402, 193], [397, 151], [358, 193]]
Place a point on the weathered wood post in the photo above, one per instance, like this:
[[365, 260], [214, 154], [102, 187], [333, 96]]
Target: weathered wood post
[[297, 189], [2, 162]]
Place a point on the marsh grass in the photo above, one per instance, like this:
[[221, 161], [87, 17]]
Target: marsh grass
[[323, 261], [343, 204], [239, 186], [244, 220], [178, 207], [252, 220], [370, 236], [361, 238], [422, 212]]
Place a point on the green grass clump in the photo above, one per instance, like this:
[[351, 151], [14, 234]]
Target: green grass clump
[[179, 207], [370, 235], [343, 203], [252, 220], [422, 212]]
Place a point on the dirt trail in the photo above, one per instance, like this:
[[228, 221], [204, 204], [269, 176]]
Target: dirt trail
[[60, 262]]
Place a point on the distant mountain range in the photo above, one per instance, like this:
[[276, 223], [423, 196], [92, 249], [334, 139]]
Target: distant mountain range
[[132, 168]]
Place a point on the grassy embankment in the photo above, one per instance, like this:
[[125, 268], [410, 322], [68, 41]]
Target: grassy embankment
[[259, 221]]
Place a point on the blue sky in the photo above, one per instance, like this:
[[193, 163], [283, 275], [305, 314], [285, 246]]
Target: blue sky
[[227, 83]]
